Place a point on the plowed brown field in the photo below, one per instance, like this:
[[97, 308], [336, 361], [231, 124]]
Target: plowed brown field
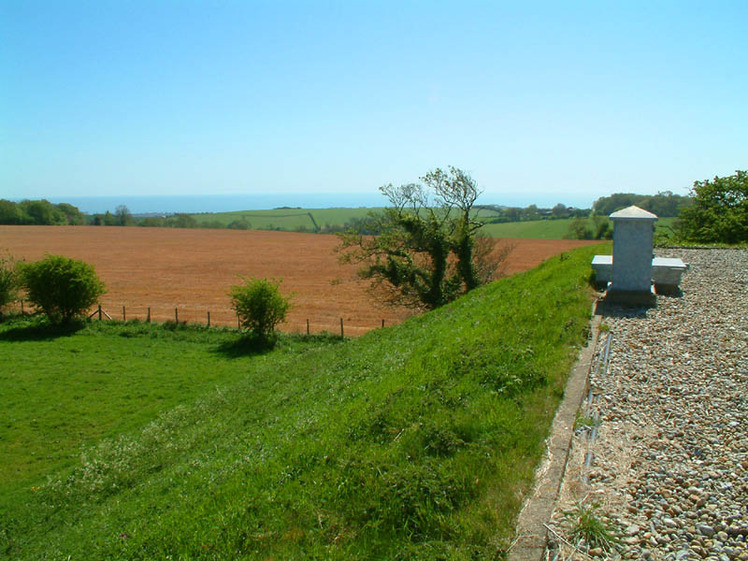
[[192, 271]]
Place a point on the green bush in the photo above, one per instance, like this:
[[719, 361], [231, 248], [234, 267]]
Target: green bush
[[260, 306], [8, 283], [579, 229], [719, 213], [62, 288]]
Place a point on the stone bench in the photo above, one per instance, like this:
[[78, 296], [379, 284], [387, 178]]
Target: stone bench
[[666, 272]]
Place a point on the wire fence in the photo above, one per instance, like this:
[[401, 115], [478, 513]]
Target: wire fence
[[216, 318]]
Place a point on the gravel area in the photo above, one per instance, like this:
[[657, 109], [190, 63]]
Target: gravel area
[[660, 455]]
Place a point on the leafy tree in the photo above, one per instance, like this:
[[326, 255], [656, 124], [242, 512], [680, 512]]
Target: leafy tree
[[663, 204], [560, 211], [426, 254], [181, 220], [513, 214], [531, 213], [42, 213], [579, 229], [73, 215], [122, 216], [719, 213], [603, 228], [577, 212], [213, 225], [260, 306], [8, 283], [153, 222], [109, 219], [11, 213], [606, 206], [62, 288], [241, 223]]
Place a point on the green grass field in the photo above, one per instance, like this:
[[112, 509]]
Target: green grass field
[[288, 219], [417, 441], [312, 220], [542, 229], [547, 229]]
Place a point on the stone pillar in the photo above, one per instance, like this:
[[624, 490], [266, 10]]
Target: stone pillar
[[633, 242]]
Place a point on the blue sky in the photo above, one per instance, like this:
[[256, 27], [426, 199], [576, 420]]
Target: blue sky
[[541, 102]]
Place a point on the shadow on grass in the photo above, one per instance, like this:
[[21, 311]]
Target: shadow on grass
[[252, 345], [40, 331], [247, 345]]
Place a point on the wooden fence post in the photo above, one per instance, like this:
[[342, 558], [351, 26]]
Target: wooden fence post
[[208, 318], [382, 323], [342, 335], [148, 317], [307, 328], [99, 312], [176, 315], [124, 315], [22, 312]]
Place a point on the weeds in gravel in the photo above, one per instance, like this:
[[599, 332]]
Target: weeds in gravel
[[583, 421], [588, 525]]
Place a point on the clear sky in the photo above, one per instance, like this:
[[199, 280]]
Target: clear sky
[[541, 102]]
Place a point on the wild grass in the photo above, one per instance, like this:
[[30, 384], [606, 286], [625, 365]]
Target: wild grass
[[412, 442], [588, 527]]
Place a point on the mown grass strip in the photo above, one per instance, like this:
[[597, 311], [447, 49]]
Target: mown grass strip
[[416, 441]]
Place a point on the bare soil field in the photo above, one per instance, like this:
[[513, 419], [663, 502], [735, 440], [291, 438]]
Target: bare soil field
[[192, 271]]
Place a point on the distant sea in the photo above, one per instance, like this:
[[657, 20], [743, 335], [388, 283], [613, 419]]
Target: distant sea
[[192, 204]]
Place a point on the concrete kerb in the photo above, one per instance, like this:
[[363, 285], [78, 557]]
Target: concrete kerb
[[531, 535]]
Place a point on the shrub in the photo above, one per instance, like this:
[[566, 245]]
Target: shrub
[[240, 224], [260, 306], [719, 213], [62, 288], [579, 229], [8, 283]]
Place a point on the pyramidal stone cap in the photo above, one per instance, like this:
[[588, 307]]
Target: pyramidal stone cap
[[633, 213]]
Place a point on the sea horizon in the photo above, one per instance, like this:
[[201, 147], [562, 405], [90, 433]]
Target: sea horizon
[[195, 204]]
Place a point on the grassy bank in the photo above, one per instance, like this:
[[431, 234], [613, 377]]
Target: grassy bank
[[412, 442]]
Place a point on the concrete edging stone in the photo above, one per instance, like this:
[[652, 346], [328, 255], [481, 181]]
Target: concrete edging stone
[[531, 534]]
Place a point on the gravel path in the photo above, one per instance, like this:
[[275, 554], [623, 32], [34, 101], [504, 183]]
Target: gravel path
[[666, 465]]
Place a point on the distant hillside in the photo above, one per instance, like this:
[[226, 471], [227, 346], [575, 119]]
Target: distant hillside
[[288, 219], [549, 229]]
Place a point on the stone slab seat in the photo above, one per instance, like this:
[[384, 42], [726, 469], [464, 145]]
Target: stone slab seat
[[666, 271]]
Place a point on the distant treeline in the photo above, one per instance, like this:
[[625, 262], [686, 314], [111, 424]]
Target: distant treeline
[[40, 213], [496, 214], [44, 213], [664, 204]]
